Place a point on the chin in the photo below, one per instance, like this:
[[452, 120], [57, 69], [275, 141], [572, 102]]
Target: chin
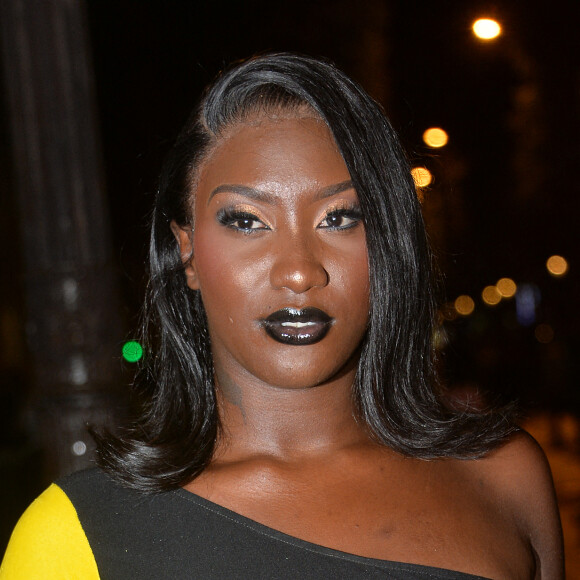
[[307, 374]]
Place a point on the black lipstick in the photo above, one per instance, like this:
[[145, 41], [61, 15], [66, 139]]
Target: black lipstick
[[298, 326]]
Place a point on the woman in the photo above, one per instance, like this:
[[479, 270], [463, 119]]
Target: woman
[[293, 428]]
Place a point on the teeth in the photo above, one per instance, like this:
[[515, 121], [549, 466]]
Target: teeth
[[298, 324]]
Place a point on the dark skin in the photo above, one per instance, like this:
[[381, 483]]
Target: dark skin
[[291, 454]]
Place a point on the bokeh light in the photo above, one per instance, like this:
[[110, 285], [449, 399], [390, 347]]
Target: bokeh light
[[528, 298], [486, 28], [132, 351], [79, 448], [544, 333], [435, 137], [464, 305], [506, 287], [421, 176], [557, 266], [491, 296]]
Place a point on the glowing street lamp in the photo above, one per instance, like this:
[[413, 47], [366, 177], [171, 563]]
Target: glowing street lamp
[[435, 137], [421, 176], [506, 287], [486, 28], [491, 295], [464, 305], [557, 266]]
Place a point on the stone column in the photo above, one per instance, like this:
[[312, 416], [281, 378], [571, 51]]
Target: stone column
[[73, 324]]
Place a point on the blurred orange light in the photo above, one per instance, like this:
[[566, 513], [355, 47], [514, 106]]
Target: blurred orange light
[[491, 295], [464, 305], [486, 28], [421, 176], [435, 137], [557, 266], [506, 287]]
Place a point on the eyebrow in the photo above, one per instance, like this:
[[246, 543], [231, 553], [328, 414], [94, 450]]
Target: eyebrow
[[260, 195]]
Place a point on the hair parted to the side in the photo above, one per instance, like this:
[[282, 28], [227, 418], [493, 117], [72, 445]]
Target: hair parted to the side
[[395, 389]]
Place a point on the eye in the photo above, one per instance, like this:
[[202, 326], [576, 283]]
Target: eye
[[240, 220], [342, 219]]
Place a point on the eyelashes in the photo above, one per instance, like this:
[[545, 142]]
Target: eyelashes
[[342, 218], [240, 220], [339, 218]]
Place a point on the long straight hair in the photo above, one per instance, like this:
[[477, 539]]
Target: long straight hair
[[396, 393]]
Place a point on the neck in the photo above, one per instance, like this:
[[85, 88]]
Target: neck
[[259, 419]]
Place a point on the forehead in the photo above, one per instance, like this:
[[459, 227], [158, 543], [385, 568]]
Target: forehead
[[283, 155]]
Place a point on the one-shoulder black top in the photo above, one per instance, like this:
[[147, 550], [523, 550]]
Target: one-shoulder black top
[[179, 535]]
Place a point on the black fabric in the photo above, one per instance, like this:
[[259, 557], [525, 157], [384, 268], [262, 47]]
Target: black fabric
[[178, 535]]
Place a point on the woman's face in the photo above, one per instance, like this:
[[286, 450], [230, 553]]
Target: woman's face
[[279, 255]]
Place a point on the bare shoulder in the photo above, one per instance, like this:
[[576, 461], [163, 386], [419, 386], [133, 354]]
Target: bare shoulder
[[518, 476], [520, 460]]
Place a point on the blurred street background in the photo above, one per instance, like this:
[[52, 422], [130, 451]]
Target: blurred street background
[[92, 93]]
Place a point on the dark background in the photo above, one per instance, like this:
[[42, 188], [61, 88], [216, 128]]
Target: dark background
[[505, 194]]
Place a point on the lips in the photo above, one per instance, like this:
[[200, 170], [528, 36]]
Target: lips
[[298, 326]]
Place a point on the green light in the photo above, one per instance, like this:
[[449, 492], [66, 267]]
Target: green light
[[132, 351]]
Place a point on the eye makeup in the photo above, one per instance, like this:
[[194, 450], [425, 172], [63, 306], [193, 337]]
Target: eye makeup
[[342, 217], [240, 219]]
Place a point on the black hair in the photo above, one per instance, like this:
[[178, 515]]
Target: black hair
[[395, 392]]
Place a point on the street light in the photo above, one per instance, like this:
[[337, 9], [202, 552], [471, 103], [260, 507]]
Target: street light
[[464, 305], [506, 287], [435, 137], [421, 176], [486, 28], [491, 295], [557, 266]]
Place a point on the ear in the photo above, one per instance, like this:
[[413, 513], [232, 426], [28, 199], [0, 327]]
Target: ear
[[184, 237]]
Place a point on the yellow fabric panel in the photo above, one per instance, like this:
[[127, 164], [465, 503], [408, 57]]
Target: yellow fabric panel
[[49, 543]]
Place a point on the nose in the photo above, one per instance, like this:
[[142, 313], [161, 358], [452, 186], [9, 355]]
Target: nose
[[298, 268]]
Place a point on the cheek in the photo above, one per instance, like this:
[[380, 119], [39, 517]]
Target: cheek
[[227, 278], [359, 292], [351, 274]]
